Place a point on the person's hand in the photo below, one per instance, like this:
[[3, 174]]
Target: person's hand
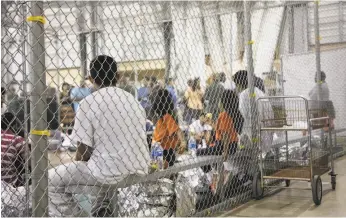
[[182, 147]]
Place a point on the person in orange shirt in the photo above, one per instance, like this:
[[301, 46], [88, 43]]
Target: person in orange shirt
[[228, 125], [167, 130]]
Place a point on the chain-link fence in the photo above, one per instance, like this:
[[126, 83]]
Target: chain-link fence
[[178, 136]]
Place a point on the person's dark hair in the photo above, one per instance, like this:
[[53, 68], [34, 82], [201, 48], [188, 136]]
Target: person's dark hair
[[240, 78], [147, 78], [230, 102], [222, 77], [259, 84], [170, 79], [103, 69], [162, 103], [153, 79], [65, 84], [190, 82], [323, 76], [10, 122], [195, 84]]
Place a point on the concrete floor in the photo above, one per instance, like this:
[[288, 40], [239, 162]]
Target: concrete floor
[[298, 203]]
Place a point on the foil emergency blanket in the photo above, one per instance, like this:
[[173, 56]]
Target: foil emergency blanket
[[150, 199], [187, 185], [13, 201]]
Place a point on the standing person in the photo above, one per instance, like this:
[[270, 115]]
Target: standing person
[[228, 125], [153, 82], [226, 83], [172, 91], [64, 95], [124, 83], [327, 104], [143, 94], [111, 143], [213, 95], [77, 94], [264, 111], [194, 99], [313, 94], [167, 131], [12, 151]]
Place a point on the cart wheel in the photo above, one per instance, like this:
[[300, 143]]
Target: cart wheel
[[317, 190], [333, 182], [257, 189], [288, 182]]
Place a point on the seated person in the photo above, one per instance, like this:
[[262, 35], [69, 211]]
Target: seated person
[[12, 151], [167, 130], [110, 135], [149, 128], [229, 125], [201, 129], [77, 94]]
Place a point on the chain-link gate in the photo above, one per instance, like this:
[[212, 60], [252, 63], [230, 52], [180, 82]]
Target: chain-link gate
[[149, 108]]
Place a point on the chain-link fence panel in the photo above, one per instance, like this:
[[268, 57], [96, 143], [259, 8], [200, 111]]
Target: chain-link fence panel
[[148, 108]]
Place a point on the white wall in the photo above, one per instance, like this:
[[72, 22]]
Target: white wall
[[299, 72]]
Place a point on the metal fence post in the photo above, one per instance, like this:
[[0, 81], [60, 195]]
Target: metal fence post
[[26, 115], [317, 48], [94, 31], [250, 69], [39, 157], [167, 35], [82, 42], [290, 29]]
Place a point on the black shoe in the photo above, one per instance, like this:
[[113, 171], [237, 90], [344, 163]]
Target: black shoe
[[103, 212]]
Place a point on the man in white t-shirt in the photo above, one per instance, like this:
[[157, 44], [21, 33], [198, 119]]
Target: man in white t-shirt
[[109, 131], [265, 110], [201, 129]]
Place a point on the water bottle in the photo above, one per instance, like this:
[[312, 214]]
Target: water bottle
[[157, 156], [192, 146]]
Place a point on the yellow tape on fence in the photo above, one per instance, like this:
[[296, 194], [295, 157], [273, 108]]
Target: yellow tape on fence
[[250, 42], [254, 140], [40, 132], [40, 19], [253, 95]]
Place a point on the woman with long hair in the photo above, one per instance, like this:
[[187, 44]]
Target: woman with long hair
[[167, 131], [194, 100], [228, 125]]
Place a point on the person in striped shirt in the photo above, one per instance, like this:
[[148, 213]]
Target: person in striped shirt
[[12, 151]]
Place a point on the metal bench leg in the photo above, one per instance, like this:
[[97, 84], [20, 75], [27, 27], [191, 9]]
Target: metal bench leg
[[114, 202]]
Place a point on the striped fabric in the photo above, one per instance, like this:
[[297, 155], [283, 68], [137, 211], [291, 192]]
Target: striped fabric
[[11, 147]]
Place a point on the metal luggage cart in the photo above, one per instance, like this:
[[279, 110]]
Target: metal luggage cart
[[297, 114]]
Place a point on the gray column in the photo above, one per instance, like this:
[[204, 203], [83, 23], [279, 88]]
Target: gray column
[[317, 48], [341, 21], [168, 37], [240, 35], [250, 68], [39, 156], [290, 30], [94, 41], [82, 41]]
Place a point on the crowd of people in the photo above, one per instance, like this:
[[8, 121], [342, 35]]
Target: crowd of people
[[111, 123]]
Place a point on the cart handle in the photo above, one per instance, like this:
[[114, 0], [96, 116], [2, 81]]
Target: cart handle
[[319, 118]]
